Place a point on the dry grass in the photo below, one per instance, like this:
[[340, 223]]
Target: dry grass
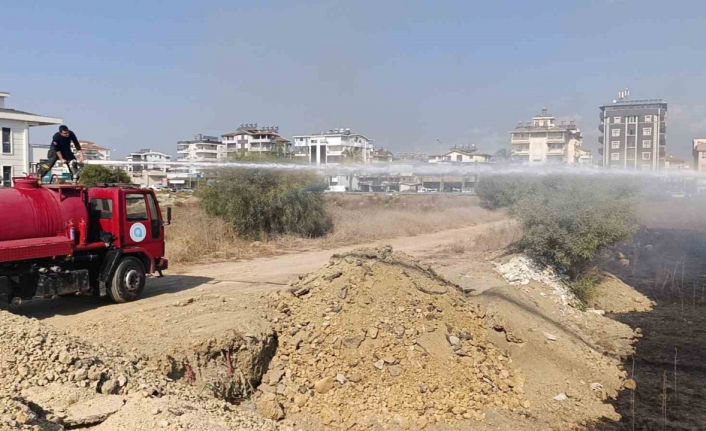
[[495, 238], [196, 237]]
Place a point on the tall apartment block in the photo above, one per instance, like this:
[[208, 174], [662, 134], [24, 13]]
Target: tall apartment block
[[633, 134]]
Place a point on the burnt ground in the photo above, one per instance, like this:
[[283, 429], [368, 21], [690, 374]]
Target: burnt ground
[[669, 365]]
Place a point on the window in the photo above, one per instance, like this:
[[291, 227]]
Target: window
[[614, 145], [7, 176], [6, 140], [648, 118], [616, 120], [459, 158], [631, 131], [615, 132], [615, 156], [102, 209], [136, 208], [631, 119], [703, 155], [646, 143], [154, 218], [313, 141], [646, 156], [647, 131]]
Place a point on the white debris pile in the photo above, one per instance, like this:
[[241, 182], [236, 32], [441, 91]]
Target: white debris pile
[[521, 269]]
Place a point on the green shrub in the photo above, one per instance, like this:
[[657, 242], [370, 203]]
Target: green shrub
[[566, 219], [93, 175], [261, 203], [498, 191], [569, 219]]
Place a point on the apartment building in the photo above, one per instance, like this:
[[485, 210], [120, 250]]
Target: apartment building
[[202, 148], [15, 151], [249, 138], [148, 167], [699, 154], [633, 134], [333, 147], [544, 140], [93, 151]]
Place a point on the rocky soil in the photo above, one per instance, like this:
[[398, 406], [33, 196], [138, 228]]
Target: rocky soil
[[377, 340], [52, 381]]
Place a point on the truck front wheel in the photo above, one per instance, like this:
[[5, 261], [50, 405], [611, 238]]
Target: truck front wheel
[[128, 280]]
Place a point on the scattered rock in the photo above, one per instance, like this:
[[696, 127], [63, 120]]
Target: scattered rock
[[324, 385], [550, 337], [630, 384], [561, 397], [454, 340], [270, 408]]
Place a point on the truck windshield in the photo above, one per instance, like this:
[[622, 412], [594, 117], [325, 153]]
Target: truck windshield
[[136, 208]]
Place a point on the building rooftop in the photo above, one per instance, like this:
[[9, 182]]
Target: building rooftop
[[626, 102], [562, 126], [252, 129]]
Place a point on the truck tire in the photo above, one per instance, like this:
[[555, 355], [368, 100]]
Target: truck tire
[[128, 280]]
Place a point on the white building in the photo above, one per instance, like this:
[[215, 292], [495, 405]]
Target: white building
[[202, 148], [148, 167], [93, 151], [249, 138], [543, 140], [15, 154], [333, 147], [461, 155]]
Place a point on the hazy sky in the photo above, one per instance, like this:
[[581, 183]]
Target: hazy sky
[[411, 75]]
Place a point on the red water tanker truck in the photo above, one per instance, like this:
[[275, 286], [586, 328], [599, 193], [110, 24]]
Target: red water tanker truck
[[59, 240]]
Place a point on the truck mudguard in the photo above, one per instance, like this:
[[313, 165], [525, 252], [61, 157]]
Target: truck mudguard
[[112, 258]]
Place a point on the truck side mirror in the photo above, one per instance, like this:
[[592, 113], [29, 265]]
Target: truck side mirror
[[169, 215]]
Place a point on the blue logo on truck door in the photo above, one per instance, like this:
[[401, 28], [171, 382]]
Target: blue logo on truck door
[[138, 232]]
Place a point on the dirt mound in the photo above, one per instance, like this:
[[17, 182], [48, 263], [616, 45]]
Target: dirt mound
[[614, 296], [376, 339], [54, 381]]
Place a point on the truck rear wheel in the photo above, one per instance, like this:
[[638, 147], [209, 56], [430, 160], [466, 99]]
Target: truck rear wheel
[[128, 280]]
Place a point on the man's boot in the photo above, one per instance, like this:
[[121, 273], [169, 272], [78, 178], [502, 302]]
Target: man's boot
[[75, 170]]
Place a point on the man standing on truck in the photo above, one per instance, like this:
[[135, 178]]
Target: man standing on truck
[[60, 149]]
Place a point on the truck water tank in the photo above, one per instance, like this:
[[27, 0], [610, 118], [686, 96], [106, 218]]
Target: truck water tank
[[31, 211]]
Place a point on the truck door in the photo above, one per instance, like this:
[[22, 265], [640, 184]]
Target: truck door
[[143, 226]]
